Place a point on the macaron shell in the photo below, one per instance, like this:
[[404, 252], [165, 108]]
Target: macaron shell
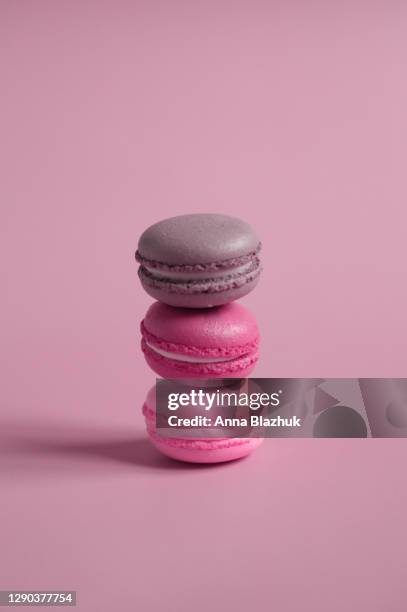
[[184, 296], [226, 327], [241, 367], [216, 454], [197, 239], [202, 450]]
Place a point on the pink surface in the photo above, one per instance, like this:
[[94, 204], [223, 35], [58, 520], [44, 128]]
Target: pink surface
[[114, 115]]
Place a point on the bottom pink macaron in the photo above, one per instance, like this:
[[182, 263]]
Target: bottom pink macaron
[[193, 450]]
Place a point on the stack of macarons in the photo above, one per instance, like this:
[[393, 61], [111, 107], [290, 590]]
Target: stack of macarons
[[196, 266]]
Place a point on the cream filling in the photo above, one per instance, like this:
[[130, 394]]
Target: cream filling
[[188, 358], [204, 274]]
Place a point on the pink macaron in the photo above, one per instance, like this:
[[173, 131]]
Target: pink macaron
[[194, 450], [221, 342]]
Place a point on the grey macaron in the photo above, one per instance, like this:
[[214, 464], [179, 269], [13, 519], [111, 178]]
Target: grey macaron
[[199, 260]]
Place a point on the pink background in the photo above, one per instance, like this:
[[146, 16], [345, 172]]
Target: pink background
[[115, 114]]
